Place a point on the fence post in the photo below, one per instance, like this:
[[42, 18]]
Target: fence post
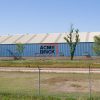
[[90, 84], [39, 81]]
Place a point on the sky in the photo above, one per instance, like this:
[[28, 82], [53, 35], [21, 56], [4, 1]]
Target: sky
[[48, 16]]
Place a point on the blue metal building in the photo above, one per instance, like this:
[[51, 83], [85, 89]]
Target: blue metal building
[[46, 44]]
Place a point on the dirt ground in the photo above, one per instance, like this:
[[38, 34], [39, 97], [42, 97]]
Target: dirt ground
[[50, 83], [71, 85]]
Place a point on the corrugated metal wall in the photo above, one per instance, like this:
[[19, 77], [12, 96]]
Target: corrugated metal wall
[[81, 49], [60, 49]]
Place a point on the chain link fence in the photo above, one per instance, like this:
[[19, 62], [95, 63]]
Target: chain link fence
[[63, 83]]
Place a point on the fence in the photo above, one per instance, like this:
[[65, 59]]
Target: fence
[[70, 82]]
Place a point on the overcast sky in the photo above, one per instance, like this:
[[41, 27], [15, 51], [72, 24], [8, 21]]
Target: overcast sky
[[48, 16]]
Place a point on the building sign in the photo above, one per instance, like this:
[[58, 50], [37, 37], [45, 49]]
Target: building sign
[[47, 49]]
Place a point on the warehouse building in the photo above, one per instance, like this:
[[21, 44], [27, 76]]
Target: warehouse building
[[49, 44]]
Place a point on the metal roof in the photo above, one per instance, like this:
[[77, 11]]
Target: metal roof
[[45, 38]]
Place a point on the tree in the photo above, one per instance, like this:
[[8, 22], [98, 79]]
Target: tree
[[72, 39], [96, 45], [19, 49]]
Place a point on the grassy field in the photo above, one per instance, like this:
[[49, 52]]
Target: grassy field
[[24, 86], [51, 63], [53, 86], [5, 96]]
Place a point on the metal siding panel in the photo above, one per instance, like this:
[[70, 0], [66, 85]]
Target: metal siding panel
[[91, 49], [63, 48], [37, 49], [26, 50], [1, 53], [32, 49], [67, 49], [5, 50], [59, 49], [83, 48], [9, 47], [88, 49]]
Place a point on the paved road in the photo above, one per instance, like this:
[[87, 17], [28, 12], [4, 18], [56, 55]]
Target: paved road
[[55, 70]]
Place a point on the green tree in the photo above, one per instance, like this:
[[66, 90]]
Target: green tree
[[72, 39], [96, 45], [19, 49]]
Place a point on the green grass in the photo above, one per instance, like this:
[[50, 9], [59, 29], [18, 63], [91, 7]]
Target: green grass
[[50, 63], [12, 96], [8, 96]]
